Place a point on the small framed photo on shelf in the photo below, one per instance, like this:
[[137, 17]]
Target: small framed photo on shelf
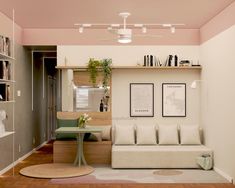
[[141, 100], [173, 100]]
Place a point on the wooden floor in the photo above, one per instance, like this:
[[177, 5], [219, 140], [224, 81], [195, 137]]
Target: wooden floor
[[44, 155]]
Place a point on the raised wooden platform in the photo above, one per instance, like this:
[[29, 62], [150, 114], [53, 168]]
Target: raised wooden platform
[[95, 152]]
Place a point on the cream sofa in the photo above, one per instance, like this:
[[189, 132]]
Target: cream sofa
[[136, 147]]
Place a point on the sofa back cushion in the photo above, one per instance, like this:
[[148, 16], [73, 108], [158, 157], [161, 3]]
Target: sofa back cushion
[[66, 123], [168, 134], [146, 135], [104, 135], [124, 135], [190, 135]]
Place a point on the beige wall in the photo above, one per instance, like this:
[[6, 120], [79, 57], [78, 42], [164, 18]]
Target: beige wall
[[131, 55], [121, 80], [218, 98]]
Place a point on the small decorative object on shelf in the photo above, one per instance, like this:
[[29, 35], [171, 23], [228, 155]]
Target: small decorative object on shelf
[[83, 120], [101, 106], [196, 65], [184, 63], [3, 116]]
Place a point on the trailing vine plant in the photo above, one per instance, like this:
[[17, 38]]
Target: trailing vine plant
[[92, 68], [107, 70]]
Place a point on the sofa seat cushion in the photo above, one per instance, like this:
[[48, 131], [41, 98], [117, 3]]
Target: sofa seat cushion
[[157, 156]]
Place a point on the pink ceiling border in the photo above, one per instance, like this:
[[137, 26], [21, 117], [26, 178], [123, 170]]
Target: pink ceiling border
[[218, 24]]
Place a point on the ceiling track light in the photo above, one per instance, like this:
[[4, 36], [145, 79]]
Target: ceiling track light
[[115, 25], [172, 29], [80, 29], [166, 25], [86, 25], [144, 30], [138, 25]]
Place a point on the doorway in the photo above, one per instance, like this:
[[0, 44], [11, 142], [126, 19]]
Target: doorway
[[51, 107]]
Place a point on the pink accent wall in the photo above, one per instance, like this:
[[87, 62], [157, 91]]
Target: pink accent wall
[[218, 24], [103, 37]]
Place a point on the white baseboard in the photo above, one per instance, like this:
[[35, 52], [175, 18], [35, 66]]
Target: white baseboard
[[21, 158], [225, 175]]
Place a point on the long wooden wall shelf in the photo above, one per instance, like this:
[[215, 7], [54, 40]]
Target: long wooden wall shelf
[[132, 67]]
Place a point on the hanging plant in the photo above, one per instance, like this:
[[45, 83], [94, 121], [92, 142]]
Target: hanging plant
[[107, 70], [92, 68]]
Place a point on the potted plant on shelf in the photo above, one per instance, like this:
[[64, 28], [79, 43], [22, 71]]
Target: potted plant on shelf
[[92, 68], [104, 66], [107, 70]]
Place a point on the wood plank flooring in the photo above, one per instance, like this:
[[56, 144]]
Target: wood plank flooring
[[44, 155]]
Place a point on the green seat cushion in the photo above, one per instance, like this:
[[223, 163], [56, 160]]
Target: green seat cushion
[[66, 123]]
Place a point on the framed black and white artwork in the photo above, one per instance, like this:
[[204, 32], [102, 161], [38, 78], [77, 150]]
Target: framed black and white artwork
[[141, 99], [173, 100]]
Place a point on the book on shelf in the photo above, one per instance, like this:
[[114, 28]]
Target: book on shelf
[[5, 45], [5, 92], [5, 70]]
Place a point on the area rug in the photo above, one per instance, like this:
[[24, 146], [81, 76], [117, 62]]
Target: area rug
[[108, 175], [55, 170]]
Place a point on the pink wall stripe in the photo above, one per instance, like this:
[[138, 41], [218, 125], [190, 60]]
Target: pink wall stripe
[[218, 24], [103, 37]]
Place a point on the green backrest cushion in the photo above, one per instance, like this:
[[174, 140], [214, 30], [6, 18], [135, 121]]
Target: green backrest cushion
[[66, 123]]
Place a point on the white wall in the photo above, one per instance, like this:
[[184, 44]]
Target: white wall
[[131, 55], [67, 90], [218, 98]]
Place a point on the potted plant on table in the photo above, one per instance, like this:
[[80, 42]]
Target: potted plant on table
[[83, 120]]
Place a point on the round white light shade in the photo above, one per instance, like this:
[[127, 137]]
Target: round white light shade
[[124, 40]]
